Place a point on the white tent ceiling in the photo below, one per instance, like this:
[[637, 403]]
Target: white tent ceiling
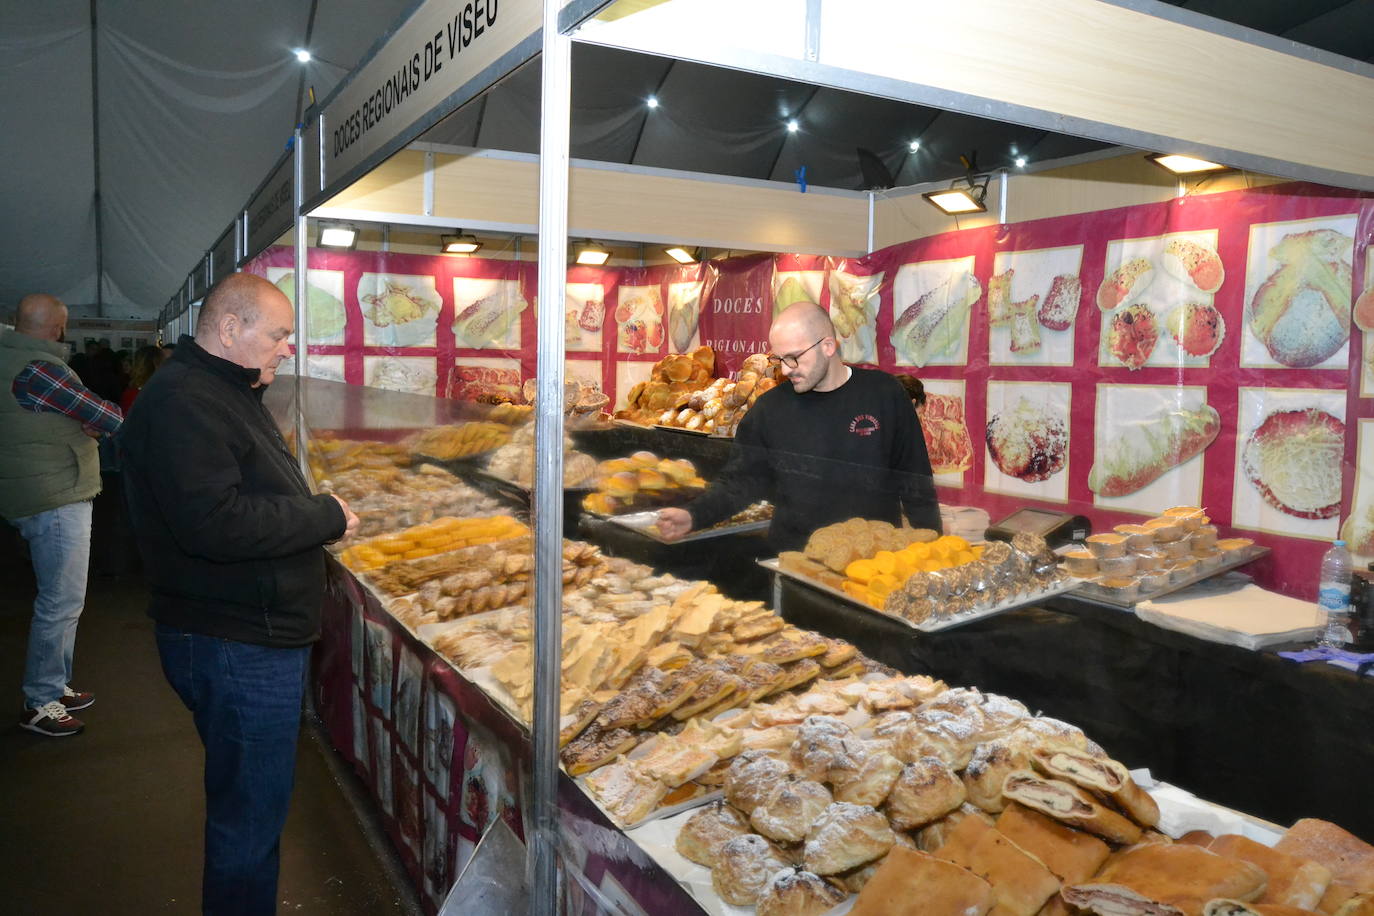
[[197, 99]]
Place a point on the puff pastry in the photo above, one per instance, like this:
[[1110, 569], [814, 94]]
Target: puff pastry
[[744, 867], [707, 830], [798, 893], [925, 790], [1293, 881], [846, 836], [1101, 776], [790, 809], [1069, 804], [908, 875]]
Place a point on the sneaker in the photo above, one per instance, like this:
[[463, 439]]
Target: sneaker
[[76, 699], [51, 719]]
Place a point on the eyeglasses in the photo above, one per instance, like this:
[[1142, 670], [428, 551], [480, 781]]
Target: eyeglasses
[[792, 361]]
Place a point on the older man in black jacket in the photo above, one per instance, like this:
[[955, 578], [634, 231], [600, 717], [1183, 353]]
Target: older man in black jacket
[[231, 539]]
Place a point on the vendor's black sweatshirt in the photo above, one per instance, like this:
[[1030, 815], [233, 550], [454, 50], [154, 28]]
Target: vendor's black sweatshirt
[[825, 456]]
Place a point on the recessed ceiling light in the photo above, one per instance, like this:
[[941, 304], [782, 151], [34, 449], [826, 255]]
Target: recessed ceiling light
[[1020, 162], [914, 145], [302, 55], [1185, 165], [652, 101], [681, 255], [792, 125]]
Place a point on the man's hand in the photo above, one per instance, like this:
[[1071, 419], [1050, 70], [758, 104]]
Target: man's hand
[[673, 523], [90, 430], [350, 520]]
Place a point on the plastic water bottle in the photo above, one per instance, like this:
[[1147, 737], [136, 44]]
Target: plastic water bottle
[[1333, 595]]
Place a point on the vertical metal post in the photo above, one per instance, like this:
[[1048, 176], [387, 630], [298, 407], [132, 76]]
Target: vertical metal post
[[302, 330], [870, 222], [554, 131], [1002, 197]]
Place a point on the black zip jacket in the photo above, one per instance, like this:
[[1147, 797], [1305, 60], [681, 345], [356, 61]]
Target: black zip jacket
[[229, 532], [825, 456]]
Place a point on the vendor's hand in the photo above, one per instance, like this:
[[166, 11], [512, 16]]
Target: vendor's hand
[[673, 523], [90, 430], [350, 520]]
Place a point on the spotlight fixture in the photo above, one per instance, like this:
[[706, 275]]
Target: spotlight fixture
[[965, 195], [337, 235], [914, 145], [958, 200], [459, 244], [592, 254], [792, 125], [652, 101], [302, 55], [1186, 165], [1020, 162], [681, 255]]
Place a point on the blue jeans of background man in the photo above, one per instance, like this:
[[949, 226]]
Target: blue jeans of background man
[[60, 547], [246, 701]]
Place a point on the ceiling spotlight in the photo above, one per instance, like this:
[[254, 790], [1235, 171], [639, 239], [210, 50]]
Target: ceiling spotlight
[[914, 145], [956, 200], [681, 255], [337, 235], [1185, 165], [592, 254], [302, 55], [459, 244], [652, 101], [792, 125], [1020, 162]]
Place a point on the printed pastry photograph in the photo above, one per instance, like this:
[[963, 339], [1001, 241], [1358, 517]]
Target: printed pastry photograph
[[399, 310], [1363, 318], [1358, 527], [792, 286], [684, 315], [931, 305], [1299, 288], [486, 313], [1290, 447], [1027, 439], [584, 316], [944, 425], [1032, 306], [639, 319], [1156, 301], [1148, 446], [325, 312], [854, 301]]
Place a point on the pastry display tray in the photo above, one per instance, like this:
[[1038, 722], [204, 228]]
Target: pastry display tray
[[931, 626], [1088, 589], [643, 523]]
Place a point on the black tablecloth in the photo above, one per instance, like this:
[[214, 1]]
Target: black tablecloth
[[1248, 730]]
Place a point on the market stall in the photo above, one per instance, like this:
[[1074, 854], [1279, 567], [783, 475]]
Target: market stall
[[1111, 364]]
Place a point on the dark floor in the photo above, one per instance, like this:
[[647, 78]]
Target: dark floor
[[109, 822]]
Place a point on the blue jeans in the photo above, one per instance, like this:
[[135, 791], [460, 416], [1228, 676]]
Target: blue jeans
[[246, 701], [60, 545]]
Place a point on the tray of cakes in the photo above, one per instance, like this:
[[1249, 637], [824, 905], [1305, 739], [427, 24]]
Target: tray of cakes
[[753, 519], [927, 581], [1134, 563]]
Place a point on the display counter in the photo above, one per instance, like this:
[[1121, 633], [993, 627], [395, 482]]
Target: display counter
[[1248, 729]]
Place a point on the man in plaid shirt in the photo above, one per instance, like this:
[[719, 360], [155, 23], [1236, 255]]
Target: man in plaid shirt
[[49, 473]]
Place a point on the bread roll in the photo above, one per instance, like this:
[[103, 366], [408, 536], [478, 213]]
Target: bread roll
[[1350, 859], [846, 836], [1020, 883], [751, 777], [1072, 855], [933, 835], [1293, 881], [1114, 900], [989, 767], [798, 893], [907, 876], [1069, 804], [870, 782], [925, 791], [744, 867], [1183, 876], [1100, 776], [1222, 907], [709, 829]]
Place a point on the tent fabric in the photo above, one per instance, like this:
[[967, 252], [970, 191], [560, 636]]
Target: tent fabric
[[198, 99]]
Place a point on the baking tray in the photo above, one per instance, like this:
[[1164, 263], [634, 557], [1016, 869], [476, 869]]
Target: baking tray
[[642, 522], [933, 626], [1088, 589]]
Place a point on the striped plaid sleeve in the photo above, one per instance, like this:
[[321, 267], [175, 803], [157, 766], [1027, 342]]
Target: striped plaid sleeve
[[52, 387]]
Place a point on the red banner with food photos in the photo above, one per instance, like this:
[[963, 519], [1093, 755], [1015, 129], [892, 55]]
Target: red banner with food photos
[[1206, 351]]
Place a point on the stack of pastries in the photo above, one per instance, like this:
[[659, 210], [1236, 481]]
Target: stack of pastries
[[391, 498], [964, 805], [641, 481]]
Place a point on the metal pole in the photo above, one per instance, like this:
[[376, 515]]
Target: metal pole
[[870, 222], [1002, 195], [548, 441], [302, 331], [95, 155]]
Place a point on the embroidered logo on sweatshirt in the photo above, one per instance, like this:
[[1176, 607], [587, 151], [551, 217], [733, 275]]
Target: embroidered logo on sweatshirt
[[864, 425]]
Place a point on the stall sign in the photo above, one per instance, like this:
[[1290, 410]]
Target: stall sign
[[445, 47], [224, 255], [270, 212]]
